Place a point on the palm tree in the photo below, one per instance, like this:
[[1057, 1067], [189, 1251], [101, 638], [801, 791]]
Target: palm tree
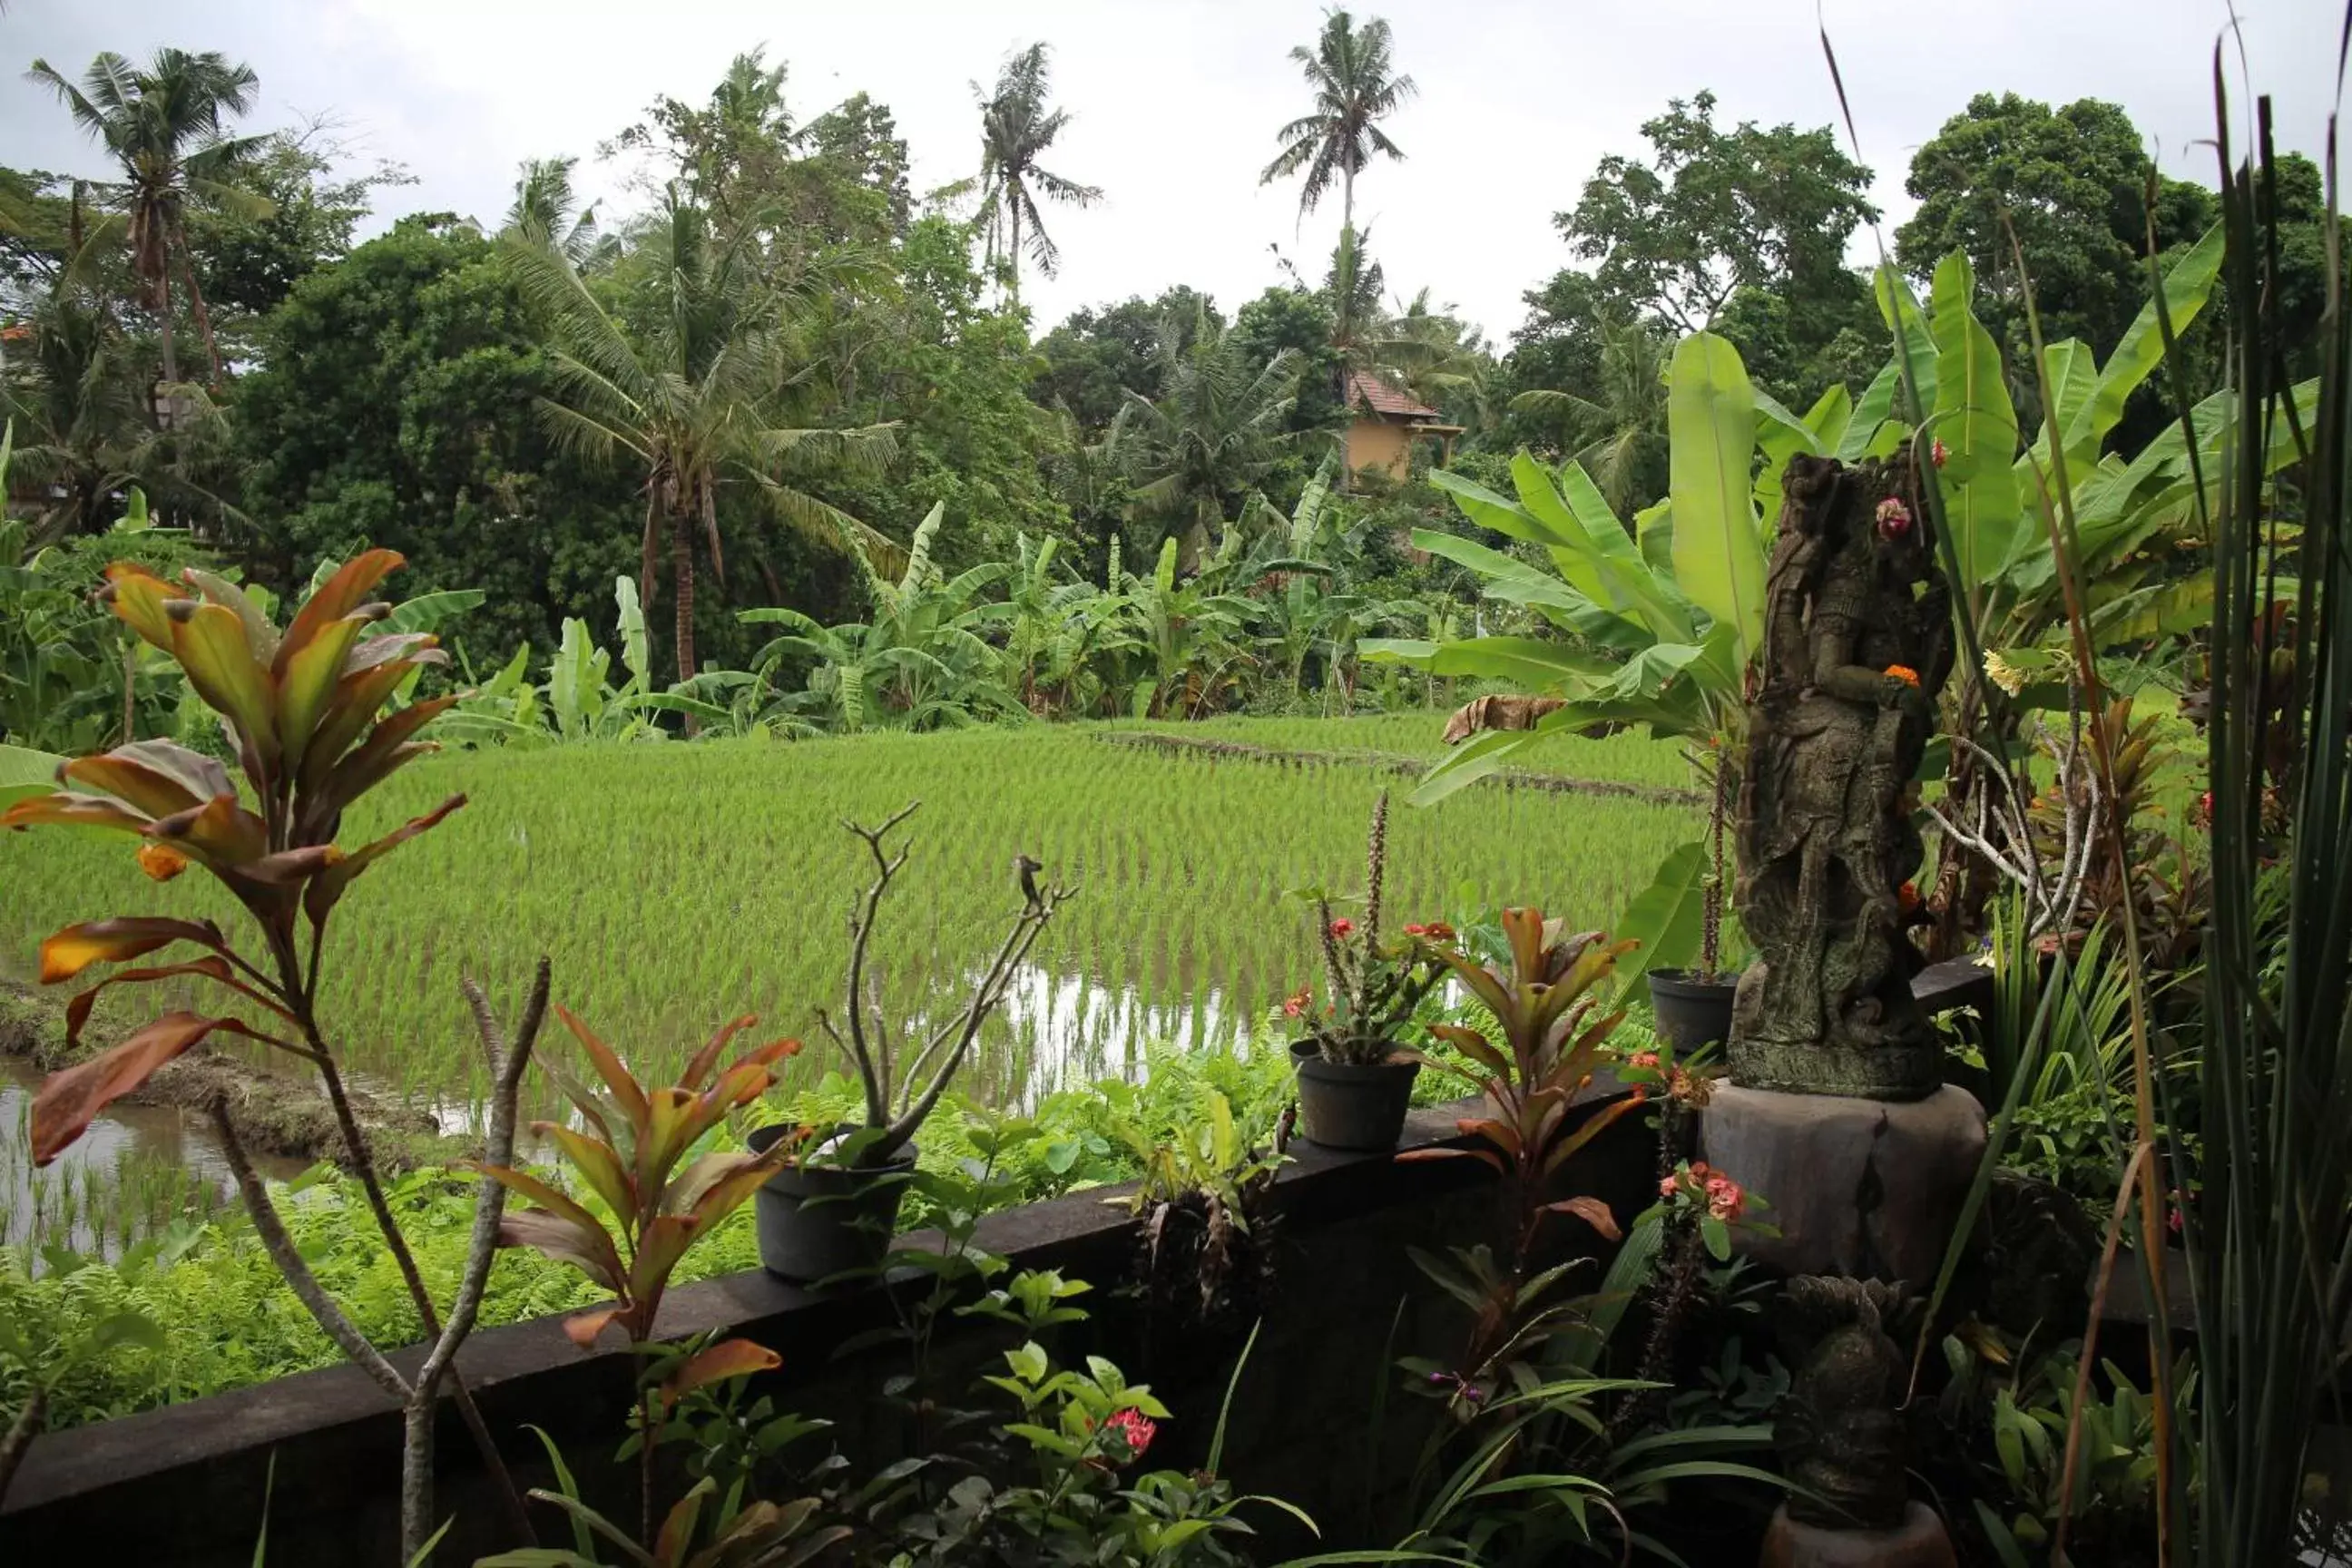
[[1619, 433], [163, 126], [688, 391], [1348, 69], [544, 211], [74, 397], [1016, 130], [1217, 428]]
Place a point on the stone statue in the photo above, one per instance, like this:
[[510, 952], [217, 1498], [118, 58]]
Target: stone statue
[[1840, 1432], [1858, 641]]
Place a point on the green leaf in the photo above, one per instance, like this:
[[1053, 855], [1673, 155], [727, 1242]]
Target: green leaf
[[1711, 423], [1978, 427], [2186, 289], [1665, 918], [24, 773], [1877, 406], [1914, 342]]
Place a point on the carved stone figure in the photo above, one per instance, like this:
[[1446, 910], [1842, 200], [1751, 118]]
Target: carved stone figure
[[1858, 641], [1840, 1432]]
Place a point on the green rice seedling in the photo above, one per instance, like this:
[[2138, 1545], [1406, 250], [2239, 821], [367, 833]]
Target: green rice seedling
[[606, 856]]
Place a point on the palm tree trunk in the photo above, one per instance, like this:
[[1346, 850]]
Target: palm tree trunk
[[648, 550], [1014, 256], [196, 302], [171, 356], [681, 567], [1347, 198]]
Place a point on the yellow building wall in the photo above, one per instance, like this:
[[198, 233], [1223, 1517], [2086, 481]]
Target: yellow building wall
[[1376, 444]]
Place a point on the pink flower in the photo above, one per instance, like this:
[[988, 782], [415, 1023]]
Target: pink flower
[[1342, 926], [1723, 1199], [1937, 453], [1894, 518], [1296, 1006], [1670, 1186], [1644, 1061], [1416, 930], [1135, 1428]]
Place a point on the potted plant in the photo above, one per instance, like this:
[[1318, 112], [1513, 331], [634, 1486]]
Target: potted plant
[[1692, 1006], [833, 1207], [1354, 1077]]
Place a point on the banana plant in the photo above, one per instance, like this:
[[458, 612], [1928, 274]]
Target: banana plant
[[1194, 637], [920, 663], [1659, 622], [578, 701]]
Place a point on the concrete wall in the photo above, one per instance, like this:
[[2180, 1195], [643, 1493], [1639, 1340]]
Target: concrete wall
[[183, 1487], [1379, 444]]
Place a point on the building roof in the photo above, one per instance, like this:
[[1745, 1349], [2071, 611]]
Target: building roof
[[1370, 392]]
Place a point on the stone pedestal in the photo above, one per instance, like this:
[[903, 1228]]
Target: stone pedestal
[[1866, 1188], [1919, 1542]]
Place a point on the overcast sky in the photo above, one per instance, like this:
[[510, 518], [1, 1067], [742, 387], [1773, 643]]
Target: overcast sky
[[1175, 102]]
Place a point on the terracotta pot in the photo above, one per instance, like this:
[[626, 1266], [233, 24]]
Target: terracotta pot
[[817, 1222], [1341, 1106], [1692, 1011]]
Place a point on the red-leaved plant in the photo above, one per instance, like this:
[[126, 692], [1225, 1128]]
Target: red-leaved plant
[[631, 1155]]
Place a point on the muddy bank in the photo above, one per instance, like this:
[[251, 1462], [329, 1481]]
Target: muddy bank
[[1390, 763], [277, 1114]]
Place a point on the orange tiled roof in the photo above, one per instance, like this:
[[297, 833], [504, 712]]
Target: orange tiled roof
[[1370, 392]]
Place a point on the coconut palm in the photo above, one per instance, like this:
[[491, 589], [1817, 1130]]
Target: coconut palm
[[1619, 433], [164, 126], [1016, 130], [1218, 426], [687, 391], [1350, 71], [546, 210]]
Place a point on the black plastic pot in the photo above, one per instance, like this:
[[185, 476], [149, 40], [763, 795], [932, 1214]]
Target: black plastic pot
[[1692, 1011], [1357, 1108], [819, 1221]]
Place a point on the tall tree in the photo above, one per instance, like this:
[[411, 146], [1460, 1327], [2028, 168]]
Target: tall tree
[[1617, 428], [1715, 211], [1352, 74], [1218, 426], [685, 390], [163, 126], [1016, 128], [2072, 183]]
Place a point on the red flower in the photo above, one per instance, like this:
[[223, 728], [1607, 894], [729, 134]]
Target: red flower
[[1438, 930], [1136, 1429], [1723, 1199], [1894, 518], [1670, 1186], [1296, 1006], [1416, 930], [1937, 453], [1342, 926], [1648, 1061], [1907, 895]]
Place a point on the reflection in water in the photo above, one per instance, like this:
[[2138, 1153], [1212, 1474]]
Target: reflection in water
[[138, 1168], [1077, 1030]]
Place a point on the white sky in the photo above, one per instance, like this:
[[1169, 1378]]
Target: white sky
[[1175, 102]]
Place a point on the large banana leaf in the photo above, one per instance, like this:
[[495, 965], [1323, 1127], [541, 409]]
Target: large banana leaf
[[1977, 425], [1900, 311], [1666, 918], [1875, 407], [1718, 550]]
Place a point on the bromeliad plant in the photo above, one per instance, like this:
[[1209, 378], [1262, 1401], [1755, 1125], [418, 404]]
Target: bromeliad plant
[[1547, 1007], [1375, 990], [633, 1153]]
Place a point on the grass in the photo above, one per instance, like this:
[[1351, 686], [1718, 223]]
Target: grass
[[677, 886]]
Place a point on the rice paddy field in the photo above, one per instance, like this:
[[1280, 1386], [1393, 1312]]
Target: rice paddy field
[[677, 886]]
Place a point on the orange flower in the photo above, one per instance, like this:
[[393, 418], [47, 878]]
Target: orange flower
[[1905, 674], [161, 861], [1907, 895]]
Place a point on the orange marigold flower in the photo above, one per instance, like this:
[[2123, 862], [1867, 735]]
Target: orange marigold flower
[[161, 861], [1905, 674]]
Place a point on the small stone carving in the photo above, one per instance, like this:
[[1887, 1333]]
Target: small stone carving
[[1858, 641], [1840, 1431]]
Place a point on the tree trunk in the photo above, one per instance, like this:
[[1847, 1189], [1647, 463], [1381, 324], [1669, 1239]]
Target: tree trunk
[[171, 355], [196, 303], [1348, 199], [681, 568], [1014, 256]]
